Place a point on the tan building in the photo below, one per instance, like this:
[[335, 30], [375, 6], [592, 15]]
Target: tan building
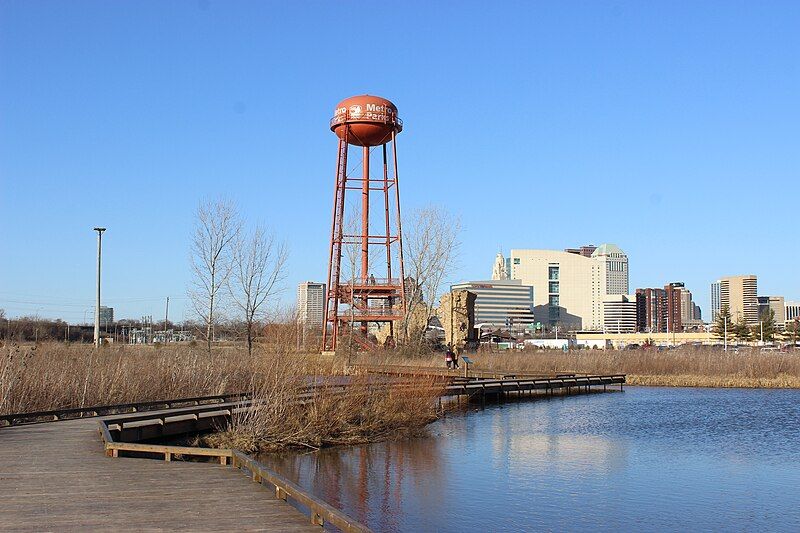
[[569, 288], [739, 294], [619, 341], [777, 305], [690, 312]]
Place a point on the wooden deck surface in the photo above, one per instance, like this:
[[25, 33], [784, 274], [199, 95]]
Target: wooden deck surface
[[55, 477]]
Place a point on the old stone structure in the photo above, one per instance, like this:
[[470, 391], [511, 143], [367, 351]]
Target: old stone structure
[[456, 312]]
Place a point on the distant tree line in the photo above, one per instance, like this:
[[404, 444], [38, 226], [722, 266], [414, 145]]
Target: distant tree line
[[32, 328], [767, 328]]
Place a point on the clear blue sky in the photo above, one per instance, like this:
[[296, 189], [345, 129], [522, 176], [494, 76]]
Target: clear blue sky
[[668, 128]]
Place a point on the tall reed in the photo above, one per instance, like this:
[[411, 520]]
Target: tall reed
[[685, 366], [58, 376]]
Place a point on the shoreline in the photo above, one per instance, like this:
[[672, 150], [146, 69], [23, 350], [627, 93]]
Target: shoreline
[[782, 381]]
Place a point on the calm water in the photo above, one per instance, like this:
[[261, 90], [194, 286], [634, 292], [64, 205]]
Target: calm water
[[648, 459]]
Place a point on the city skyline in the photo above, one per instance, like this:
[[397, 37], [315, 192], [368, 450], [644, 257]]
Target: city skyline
[[626, 125]]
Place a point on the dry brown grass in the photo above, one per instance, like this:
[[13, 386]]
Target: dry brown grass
[[54, 376], [363, 412], [286, 415], [58, 376], [687, 366]]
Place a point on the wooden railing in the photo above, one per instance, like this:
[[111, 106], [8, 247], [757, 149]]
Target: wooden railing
[[321, 512], [469, 372], [16, 419]]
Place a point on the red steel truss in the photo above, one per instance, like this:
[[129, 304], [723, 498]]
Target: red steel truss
[[368, 294]]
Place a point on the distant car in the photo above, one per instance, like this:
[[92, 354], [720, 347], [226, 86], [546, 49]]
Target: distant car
[[770, 349], [632, 347]]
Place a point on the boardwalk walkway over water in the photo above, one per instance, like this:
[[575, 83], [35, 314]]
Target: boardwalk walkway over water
[[60, 476], [56, 477]]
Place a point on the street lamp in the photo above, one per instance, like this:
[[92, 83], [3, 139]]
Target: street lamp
[[725, 326], [97, 306]]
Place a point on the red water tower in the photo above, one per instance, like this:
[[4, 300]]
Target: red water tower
[[368, 288]]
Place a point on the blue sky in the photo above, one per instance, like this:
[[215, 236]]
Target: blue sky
[[668, 128]]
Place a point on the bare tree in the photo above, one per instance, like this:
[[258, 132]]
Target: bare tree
[[258, 269], [217, 226], [431, 248]]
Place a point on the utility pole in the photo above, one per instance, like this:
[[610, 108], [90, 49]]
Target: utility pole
[[97, 303], [166, 318], [726, 334]]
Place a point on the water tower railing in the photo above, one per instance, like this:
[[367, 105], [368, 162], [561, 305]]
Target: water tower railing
[[390, 119]]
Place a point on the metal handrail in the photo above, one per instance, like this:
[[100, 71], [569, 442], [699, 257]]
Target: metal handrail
[[17, 419], [391, 118], [370, 282]]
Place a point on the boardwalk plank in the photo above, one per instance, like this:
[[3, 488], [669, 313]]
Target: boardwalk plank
[[55, 477]]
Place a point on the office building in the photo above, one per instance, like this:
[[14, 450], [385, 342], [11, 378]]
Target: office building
[[106, 316], [674, 294], [691, 316], [501, 303], [739, 294], [311, 303], [777, 305], [659, 310], [569, 288], [586, 250], [792, 311], [716, 298], [619, 313]]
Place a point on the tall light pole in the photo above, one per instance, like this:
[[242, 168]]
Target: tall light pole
[[726, 333], [97, 303]]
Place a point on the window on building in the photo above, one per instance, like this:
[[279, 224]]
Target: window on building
[[554, 300], [553, 272], [554, 287], [516, 260]]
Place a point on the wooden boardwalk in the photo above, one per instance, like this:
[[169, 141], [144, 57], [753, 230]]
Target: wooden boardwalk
[[56, 477]]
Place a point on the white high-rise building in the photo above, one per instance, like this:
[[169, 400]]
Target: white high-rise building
[[791, 311], [569, 288], [311, 303], [501, 303], [619, 313]]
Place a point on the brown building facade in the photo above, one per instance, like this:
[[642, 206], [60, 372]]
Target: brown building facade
[[659, 310]]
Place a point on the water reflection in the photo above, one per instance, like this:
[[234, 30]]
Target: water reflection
[[652, 459], [372, 482]]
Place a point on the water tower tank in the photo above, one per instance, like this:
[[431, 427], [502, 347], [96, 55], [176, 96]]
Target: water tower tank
[[368, 120]]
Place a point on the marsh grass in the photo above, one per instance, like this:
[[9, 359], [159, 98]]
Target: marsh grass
[[58, 376], [685, 366], [362, 412], [287, 413]]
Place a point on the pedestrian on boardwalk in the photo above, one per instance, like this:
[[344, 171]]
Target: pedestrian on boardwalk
[[455, 358], [448, 357]]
